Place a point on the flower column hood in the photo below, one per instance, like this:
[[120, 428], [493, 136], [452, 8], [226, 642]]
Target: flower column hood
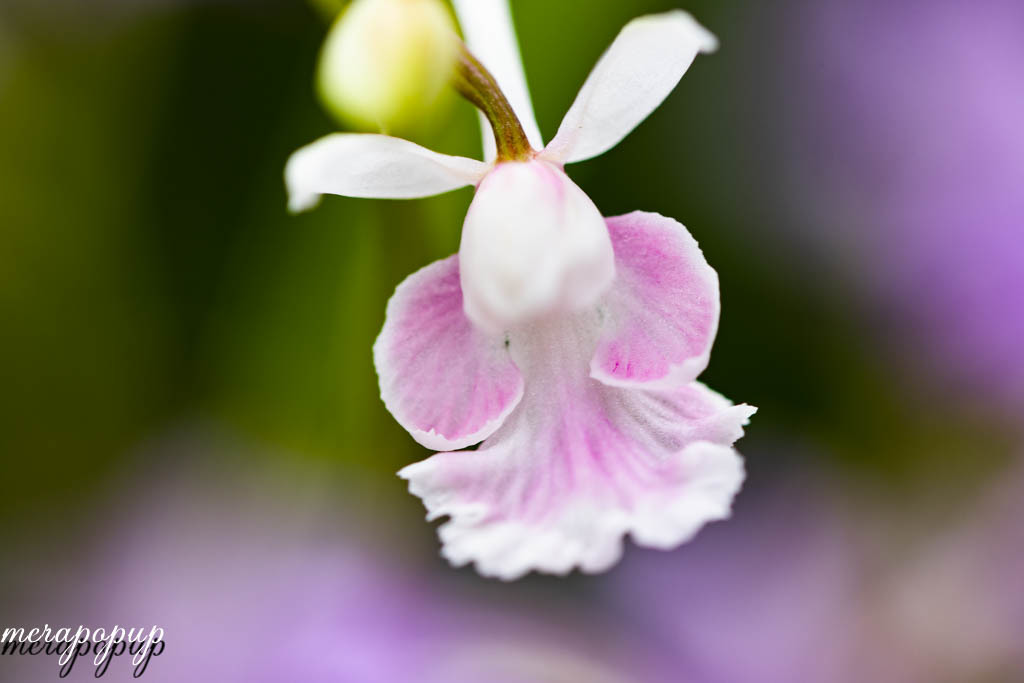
[[565, 344], [533, 244]]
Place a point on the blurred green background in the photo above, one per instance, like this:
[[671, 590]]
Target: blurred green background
[[151, 273]]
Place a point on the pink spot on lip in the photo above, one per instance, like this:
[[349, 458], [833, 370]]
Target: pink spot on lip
[[551, 177], [555, 179]]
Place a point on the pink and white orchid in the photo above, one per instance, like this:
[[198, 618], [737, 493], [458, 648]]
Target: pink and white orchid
[[568, 344]]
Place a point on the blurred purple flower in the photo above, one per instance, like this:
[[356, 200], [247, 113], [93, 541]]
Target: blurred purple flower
[[252, 582], [809, 586], [769, 598], [913, 113], [958, 605]]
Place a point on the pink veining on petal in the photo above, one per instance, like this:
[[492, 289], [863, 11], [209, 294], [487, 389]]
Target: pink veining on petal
[[661, 315], [446, 382], [580, 464]]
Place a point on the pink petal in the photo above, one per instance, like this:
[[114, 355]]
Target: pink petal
[[578, 465], [446, 382], [661, 314]]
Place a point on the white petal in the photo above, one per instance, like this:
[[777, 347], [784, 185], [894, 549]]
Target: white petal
[[585, 531], [355, 165], [491, 37], [631, 79], [533, 244]]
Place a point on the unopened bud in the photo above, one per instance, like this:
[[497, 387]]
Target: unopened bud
[[385, 63]]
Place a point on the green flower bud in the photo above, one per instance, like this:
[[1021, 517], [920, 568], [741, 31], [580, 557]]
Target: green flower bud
[[385, 63]]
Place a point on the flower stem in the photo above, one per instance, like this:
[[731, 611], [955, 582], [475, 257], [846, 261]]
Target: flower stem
[[476, 84]]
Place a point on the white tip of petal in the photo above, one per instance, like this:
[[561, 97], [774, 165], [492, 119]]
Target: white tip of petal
[[357, 165], [706, 41], [533, 244], [299, 202], [583, 534], [639, 70], [718, 474], [436, 441]]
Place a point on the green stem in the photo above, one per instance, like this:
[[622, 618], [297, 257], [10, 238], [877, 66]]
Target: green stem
[[476, 84]]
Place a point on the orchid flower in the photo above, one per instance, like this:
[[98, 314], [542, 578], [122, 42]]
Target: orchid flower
[[568, 344]]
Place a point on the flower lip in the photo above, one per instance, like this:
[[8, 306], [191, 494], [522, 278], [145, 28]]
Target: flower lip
[[576, 464], [533, 244]]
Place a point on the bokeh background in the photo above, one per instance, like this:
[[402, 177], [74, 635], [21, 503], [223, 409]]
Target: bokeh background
[[190, 428]]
